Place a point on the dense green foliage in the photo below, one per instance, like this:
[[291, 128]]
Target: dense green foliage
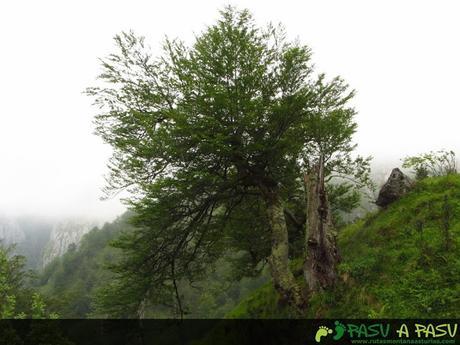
[[69, 282], [208, 135], [73, 284], [11, 281], [400, 262], [16, 300], [221, 145]]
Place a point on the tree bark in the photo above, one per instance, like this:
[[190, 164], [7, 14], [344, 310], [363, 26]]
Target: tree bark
[[283, 279], [320, 243]]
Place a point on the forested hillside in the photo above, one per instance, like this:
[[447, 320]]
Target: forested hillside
[[400, 262], [71, 284]]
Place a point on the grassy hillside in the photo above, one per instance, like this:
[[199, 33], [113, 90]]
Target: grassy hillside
[[397, 262]]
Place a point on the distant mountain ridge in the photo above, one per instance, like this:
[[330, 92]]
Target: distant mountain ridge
[[42, 240]]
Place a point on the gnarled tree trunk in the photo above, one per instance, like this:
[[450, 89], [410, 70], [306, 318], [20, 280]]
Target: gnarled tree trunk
[[283, 278], [320, 244]]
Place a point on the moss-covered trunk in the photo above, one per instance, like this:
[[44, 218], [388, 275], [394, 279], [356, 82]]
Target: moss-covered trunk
[[283, 278], [320, 244]]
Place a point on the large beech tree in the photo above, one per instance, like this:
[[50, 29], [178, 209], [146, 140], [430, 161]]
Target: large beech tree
[[212, 140]]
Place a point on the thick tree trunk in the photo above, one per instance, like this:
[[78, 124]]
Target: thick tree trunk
[[283, 278], [320, 245]]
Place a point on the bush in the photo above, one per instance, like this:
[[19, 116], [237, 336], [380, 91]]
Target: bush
[[433, 163]]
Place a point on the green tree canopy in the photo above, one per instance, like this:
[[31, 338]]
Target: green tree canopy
[[12, 277], [17, 301], [208, 135]]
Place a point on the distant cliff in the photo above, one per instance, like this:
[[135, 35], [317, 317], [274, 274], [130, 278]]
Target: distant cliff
[[39, 240], [63, 234]]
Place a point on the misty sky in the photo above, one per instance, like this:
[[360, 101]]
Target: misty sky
[[402, 57]]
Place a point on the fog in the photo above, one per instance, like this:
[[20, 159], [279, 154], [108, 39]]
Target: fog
[[401, 57]]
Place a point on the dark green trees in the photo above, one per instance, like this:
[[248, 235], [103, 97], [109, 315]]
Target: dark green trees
[[16, 300], [12, 277], [207, 135]]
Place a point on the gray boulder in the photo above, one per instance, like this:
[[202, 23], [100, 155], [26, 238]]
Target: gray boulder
[[396, 186]]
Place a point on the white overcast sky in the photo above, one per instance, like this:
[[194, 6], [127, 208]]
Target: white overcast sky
[[402, 57]]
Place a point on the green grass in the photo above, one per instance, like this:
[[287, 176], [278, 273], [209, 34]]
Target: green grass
[[395, 263]]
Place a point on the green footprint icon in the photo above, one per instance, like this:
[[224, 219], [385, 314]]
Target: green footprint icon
[[322, 331], [339, 330]]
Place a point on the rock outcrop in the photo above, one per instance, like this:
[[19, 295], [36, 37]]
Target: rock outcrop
[[62, 236], [396, 186], [41, 240]]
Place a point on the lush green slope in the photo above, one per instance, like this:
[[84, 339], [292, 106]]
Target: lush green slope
[[398, 262], [69, 283]]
